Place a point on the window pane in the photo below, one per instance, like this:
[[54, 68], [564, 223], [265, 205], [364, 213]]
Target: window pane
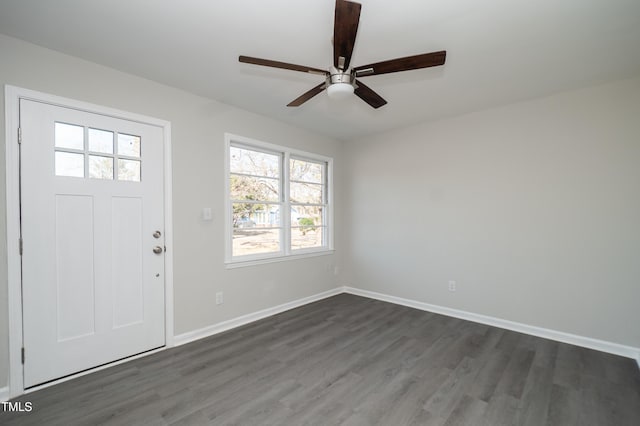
[[257, 195], [254, 163], [129, 170], [306, 171], [253, 188], [247, 215], [101, 141], [100, 167], [69, 136], [307, 237], [129, 145], [306, 192], [306, 216], [255, 241], [69, 164]]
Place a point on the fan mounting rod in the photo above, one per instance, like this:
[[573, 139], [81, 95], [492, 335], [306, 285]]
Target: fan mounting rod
[[340, 81]]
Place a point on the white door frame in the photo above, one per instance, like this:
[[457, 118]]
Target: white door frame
[[14, 271]]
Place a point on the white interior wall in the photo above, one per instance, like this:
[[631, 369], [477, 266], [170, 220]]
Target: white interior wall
[[198, 127], [532, 208]]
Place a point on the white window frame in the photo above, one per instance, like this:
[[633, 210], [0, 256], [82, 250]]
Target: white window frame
[[285, 253]]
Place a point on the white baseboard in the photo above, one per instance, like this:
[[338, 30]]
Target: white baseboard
[[587, 342], [210, 330], [573, 339]]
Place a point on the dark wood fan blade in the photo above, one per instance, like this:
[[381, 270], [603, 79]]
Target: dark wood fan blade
[[283, 65], [306, 96], [344, 32], [368, 95], [425, 60]]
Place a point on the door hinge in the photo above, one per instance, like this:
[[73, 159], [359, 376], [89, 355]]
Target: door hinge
[[22, 355], [19, 135], [20, 246]]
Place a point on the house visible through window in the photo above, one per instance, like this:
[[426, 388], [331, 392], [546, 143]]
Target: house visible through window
[[278, 201], [307, 195]]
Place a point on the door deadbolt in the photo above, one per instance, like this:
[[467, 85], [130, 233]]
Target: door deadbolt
[[157, 234], [157, 249]]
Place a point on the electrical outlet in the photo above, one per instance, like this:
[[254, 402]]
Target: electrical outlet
[[452, 286], [219, 298]]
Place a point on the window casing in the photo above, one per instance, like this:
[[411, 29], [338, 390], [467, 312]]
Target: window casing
[[279, 202]]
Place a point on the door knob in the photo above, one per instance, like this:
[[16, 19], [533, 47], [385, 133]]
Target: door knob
[[157, 234], [157, 249]]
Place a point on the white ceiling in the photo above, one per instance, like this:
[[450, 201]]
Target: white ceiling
[[498, 51]]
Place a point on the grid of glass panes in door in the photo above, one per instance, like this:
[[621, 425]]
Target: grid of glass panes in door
[[95, 153], [308, 198]]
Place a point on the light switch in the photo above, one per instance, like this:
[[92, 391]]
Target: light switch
[[206, 214]]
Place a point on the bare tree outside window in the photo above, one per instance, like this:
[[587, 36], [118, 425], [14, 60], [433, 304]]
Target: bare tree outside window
[[257, 182], [256, 195], [307, 194]]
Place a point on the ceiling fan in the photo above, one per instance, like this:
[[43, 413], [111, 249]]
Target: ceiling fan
[[342, 81]]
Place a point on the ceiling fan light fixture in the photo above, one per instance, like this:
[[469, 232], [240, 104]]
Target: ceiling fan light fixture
[[340, 85], [340, 90], [341, 78]]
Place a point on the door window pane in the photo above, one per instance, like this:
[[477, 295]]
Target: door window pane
[[69, 136], [101, 141], [129, 145], [100, 167], [69, 164], [129, 170]]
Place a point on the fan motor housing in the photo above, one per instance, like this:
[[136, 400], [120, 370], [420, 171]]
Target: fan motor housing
[[340, 77]]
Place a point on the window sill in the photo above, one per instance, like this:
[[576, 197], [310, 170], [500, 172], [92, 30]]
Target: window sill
[[233, 264]]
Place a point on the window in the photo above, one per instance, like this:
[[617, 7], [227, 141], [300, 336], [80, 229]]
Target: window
[[278, 202], [73, 157]]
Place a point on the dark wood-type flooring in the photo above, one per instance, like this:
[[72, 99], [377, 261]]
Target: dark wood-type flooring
[[350, 360]]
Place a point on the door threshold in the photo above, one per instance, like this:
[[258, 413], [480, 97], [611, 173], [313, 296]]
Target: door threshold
[[69, 377]]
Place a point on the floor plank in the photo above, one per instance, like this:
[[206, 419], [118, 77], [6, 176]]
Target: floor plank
[[349, 360]]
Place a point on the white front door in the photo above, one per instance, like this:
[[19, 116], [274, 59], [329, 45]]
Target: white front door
[[93, 239]]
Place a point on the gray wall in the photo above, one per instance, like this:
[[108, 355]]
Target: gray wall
[[198, 125], [533, 208]]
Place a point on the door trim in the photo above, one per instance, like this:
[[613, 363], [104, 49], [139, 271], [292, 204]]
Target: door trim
[[13, 95]]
